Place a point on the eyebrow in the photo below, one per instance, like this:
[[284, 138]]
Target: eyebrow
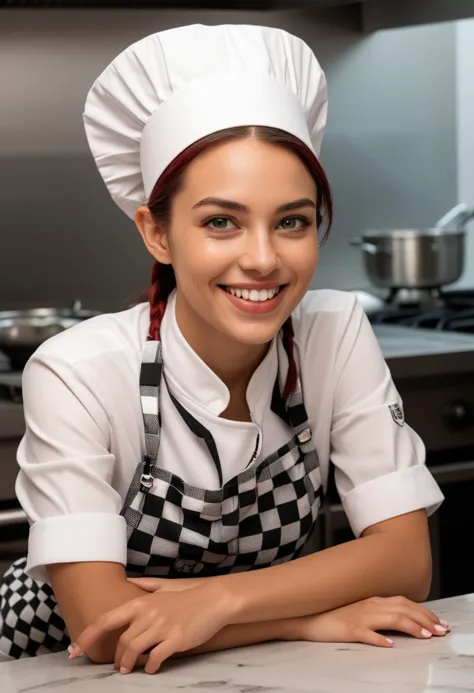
[[239, 207]]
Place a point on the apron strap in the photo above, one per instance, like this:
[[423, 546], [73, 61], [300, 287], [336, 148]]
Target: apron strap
[[199, 431]]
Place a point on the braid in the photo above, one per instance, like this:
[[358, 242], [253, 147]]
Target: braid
[[288, 335], [163, 282]]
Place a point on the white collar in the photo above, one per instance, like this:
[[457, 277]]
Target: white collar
[[187, 371]]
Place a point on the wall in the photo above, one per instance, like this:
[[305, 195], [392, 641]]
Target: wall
[[390, 149], [380, 14], [465, 132]]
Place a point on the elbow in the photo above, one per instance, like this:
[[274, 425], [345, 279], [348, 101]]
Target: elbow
[[421, 589], [419, 585]]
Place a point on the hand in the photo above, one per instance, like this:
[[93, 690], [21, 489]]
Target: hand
[[167, 622], [359, 622], [150, 584]]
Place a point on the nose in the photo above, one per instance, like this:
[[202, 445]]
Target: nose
[[260, 252]]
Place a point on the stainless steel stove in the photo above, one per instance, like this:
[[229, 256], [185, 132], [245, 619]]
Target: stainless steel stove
[[433, 310]]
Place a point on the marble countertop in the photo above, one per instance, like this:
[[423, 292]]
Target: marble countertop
[[439, 665]]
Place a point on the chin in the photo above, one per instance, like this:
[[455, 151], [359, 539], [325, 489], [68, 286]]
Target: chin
[[252, 335]]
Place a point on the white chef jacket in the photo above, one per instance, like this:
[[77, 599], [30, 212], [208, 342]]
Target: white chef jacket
[[84, 428]]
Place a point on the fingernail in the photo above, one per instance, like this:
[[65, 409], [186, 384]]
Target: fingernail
[[74, 651], [390, 642], [124, 671], [440, 629], [426, 633], [445, 624]]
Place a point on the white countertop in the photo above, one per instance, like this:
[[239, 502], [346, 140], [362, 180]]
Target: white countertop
[[439, 665], [399, 341]]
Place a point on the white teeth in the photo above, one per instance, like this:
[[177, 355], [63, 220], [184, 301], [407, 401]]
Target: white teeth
[[254, 294]]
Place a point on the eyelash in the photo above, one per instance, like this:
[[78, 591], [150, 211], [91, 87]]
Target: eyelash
[[305, 221]]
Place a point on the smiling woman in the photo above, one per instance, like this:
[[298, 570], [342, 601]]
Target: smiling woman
[[184, 445], [262, 175]]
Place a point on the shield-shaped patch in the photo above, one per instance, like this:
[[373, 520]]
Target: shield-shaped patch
[[397, 413]]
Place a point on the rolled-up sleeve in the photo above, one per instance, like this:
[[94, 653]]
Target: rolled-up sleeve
[[379, 460], [66, 469]]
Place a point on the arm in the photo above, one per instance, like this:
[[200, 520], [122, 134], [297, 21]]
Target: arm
[[77, 537], [86, 591], [391, 558]]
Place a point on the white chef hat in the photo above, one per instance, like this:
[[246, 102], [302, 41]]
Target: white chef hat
[[174, 87]]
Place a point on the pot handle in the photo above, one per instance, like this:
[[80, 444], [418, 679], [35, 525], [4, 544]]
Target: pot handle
[[363, 245]]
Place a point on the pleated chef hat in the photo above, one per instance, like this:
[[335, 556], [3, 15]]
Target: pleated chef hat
[[174, 87]]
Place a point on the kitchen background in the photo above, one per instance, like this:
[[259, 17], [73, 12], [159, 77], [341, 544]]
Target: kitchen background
[[399, 152]]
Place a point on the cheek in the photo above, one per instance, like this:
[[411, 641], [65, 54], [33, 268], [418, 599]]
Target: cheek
[[304, 257], [202, 260]]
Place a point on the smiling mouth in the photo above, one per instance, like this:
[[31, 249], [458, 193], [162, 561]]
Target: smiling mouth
[[254, 295]]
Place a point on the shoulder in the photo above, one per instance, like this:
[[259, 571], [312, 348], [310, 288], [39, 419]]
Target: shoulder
[[326, 312], [123, 332], [93, 354], [328, 325]]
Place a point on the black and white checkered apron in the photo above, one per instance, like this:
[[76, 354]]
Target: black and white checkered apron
[[261, 517]]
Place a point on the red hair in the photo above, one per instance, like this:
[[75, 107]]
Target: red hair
[[163, 279]]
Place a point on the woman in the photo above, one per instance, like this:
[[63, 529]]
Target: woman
[[176, 454]]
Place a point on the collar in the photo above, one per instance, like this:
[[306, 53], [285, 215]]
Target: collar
[[188, 373]]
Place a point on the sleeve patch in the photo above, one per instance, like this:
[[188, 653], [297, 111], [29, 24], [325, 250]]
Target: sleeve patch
[[397, 414]]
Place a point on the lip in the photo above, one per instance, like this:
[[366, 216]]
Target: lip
[[257, 285], [256, 307]]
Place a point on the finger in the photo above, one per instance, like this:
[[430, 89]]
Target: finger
[[404, 624], [435, 617], [112, 620], [419, 607], [370, 637], [159, 654], [148, 584], [136, 647], [420, 617], [135, 629]]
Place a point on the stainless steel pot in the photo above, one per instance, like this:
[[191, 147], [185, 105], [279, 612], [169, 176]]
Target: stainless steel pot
[[412, 258], [22, 331]]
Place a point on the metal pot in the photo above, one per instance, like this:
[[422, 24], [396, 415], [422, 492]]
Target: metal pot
[[22, 331], [412, 258]]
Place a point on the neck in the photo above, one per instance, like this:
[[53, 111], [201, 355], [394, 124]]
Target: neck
[[234, 363]]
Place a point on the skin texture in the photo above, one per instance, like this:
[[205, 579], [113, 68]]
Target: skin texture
[[325, 596]]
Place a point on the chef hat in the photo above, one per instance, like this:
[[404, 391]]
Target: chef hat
[[174, 87]]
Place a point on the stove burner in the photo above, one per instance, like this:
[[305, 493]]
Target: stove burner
[[450, 311], [410, 297]]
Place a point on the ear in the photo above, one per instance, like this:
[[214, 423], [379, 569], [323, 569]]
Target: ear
[[154, 236]]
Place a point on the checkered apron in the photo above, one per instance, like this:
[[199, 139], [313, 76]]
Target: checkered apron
[[261, 517]]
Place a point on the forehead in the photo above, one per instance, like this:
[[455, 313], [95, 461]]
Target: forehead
[[249, 168]]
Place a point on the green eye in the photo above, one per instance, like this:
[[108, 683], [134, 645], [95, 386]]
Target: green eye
[[294, 223], [220, 224]]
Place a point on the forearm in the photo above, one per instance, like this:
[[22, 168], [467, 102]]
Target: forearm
[[241, 634], [103, 651], [86, 591], [376, 565]]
